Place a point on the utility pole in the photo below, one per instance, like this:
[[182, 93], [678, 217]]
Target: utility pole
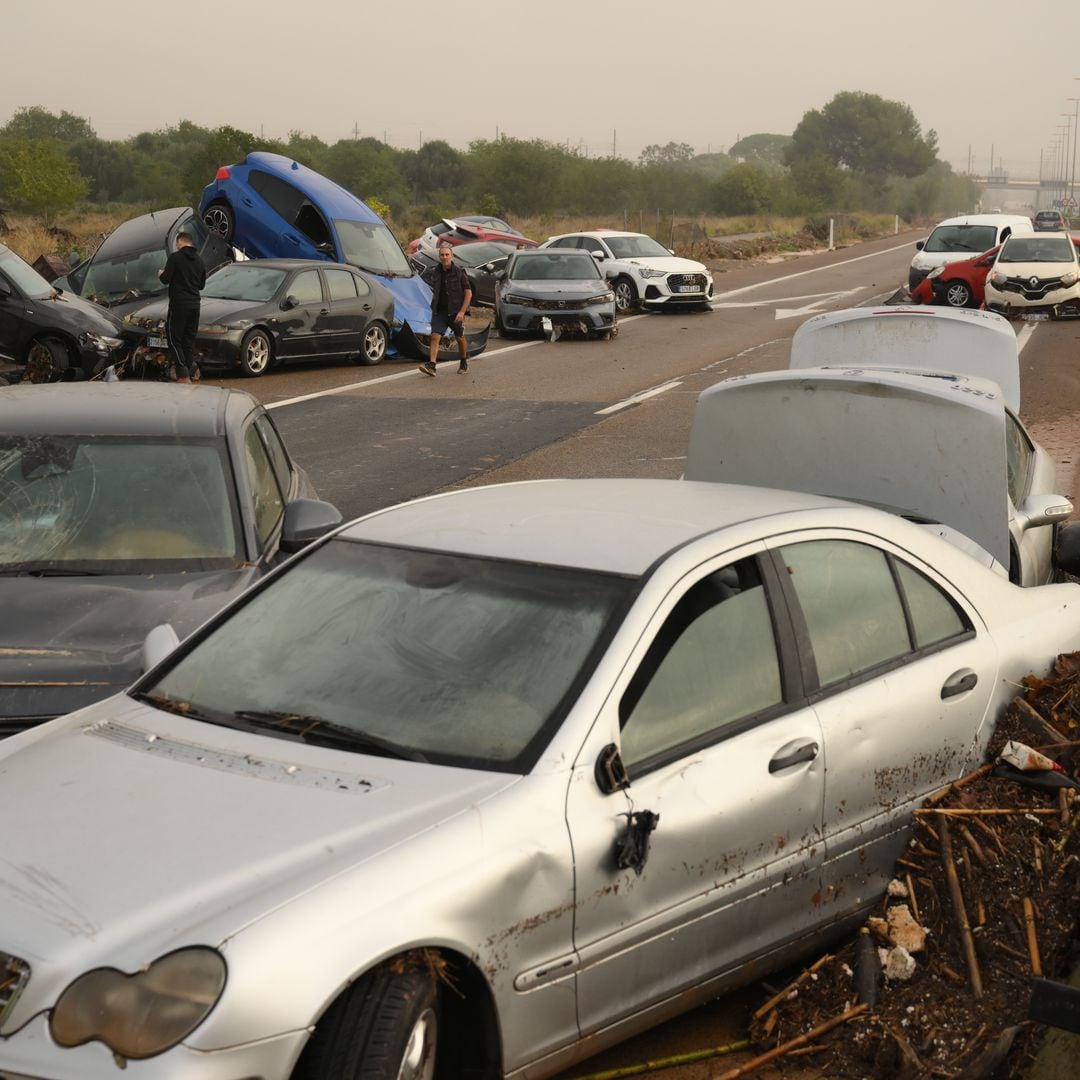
[[613, 133], [355, 131]]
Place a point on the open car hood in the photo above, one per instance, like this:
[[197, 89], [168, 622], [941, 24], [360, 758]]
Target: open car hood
[[930, 447]]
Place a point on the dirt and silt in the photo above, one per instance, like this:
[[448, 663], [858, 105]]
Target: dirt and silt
[[985, 898]]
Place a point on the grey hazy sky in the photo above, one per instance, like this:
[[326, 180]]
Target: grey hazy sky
[[704, 72]]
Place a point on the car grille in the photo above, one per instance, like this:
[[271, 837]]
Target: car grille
[[559, 305], [681, 281], [14, 974], [1030, 291]]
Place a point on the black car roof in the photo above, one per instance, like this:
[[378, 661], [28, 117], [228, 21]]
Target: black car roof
[[143, 233], [158, 410]]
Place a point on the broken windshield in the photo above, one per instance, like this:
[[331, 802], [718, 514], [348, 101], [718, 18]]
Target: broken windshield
[[371, 246], [115, 505], [462, 660]]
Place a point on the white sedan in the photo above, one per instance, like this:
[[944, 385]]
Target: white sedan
[[1035, 277], [486, 782]]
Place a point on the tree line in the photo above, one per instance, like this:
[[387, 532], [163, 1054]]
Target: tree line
[[859, 152]]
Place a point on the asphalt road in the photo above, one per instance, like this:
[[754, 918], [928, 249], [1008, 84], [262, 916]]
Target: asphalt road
[[371, 437]]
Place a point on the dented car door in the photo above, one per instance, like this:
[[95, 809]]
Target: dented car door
[[713, 850]]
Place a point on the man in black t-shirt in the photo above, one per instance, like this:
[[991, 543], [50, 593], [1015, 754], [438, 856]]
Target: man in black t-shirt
[[451, 294], [185, 274]]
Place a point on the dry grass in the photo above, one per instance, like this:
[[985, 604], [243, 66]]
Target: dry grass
[[696, 237]]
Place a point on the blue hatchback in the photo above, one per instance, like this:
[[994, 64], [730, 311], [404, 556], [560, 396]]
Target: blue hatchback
[[272, 207]]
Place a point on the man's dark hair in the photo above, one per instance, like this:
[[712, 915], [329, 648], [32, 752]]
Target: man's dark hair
[[184, 238]]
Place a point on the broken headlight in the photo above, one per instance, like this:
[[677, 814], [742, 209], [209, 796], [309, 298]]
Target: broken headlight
[[936, 272], [144, 1014], [1070, 278], [99, 342], [998, 278]]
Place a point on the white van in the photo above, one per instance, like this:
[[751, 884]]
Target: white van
[[963, 238]]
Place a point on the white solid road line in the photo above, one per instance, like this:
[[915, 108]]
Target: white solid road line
[[644, 395], [1025, 335]]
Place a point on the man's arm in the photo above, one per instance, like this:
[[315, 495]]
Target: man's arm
[[466, 299]]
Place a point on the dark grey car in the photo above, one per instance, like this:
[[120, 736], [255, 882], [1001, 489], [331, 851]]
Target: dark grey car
[[563, 289], [124, 506]]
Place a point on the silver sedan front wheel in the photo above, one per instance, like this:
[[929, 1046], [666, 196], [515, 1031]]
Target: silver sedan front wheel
[[373, 348], [255, 353]]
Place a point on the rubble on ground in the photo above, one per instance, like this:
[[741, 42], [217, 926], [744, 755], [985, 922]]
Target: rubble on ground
[[986, 896]]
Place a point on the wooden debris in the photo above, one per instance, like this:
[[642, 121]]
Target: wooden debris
[[957, 896], [1032, 939]]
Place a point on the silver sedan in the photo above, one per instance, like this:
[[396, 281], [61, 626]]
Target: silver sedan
[[486, 782]]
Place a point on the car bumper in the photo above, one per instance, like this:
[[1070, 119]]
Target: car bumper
[[597, 318], [31, 1054], [915, 276], [1057, 304], [409, 343], [658, 293]]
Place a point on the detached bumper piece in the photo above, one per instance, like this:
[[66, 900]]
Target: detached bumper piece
[[407, 343]]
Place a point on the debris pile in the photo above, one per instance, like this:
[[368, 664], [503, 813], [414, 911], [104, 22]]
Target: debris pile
[[986, 897]]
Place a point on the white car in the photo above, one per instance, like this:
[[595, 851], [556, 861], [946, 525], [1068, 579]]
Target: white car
[[962, 238], [492, 780], [1035, 277], [641, 270], [910, 409]]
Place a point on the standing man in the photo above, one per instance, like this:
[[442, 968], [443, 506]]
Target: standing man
[[185, 274], [451, 294]]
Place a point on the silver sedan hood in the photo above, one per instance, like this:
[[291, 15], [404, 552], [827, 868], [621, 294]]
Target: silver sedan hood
[[142, 831]]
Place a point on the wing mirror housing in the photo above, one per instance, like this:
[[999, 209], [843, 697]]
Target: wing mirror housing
[[306, 520], [289, 302], [158, 644], [599, 256], [1039, 510], [919, 245]]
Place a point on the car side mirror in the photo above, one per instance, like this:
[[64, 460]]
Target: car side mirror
[[5, 289], [919, 245], [599, 256], [489, 267], [289, 302], [1038, 510], [611, 273], [671, 251], [306, 520], [158, 644], [499, 275]]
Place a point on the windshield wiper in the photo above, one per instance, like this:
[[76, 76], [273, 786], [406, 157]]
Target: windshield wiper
[[320, 732], [171, 705]]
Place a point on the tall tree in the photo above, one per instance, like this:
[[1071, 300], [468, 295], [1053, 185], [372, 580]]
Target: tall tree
[[34, 122], [669, 154], [866, 134], [35, 174], [762, 149]]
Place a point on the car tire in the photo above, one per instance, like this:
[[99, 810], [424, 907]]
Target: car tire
[[256, 354], [386, 1025], [47, 359], [626, 296], [219, 217], [957, 294], [374, 344]]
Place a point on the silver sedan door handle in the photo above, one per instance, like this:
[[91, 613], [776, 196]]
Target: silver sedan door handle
[[793, 753], [959, 682]]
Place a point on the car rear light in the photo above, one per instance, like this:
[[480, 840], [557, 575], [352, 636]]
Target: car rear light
[[222, 174]]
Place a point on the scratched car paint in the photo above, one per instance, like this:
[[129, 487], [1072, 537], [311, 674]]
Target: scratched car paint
[[513, 773]]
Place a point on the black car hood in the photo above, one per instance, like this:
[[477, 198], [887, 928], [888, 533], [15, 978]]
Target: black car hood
[[73, 313], [211, 310], [68, 641]]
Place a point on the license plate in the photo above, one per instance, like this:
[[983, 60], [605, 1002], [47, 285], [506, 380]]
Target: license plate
[[157, 342], [1035, 316], [687, 288]]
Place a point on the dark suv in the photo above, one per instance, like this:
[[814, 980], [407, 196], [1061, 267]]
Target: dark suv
[[1049, 221]]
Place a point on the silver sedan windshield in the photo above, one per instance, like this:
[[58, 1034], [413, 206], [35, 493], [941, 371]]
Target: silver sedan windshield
[[449, 659]]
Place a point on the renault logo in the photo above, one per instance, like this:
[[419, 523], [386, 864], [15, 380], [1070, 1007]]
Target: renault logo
[[1033, 282]]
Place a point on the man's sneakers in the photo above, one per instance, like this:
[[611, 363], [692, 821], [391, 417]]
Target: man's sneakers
[[428, 368], [463, 367]]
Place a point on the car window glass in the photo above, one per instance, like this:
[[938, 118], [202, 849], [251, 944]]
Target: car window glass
[[565, 242], [306, 288], [265, 494], [714, 662], [934, 618], [278, 457], [852, 609], [973, 238], [1018, 456], [25, 277], [313, 225], [282, 197], [341, 284]]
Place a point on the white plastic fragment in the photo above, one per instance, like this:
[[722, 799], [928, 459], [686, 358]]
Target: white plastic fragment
[[897, 889], [897, 964]]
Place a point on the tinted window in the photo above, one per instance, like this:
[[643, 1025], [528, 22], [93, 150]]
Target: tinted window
[[341, 284], [713, 663], [24, 276], [241, 281], [971, 238], [282, 197], [266, 496], [851, 606], [565, 242], [637, 247], [306, 288]]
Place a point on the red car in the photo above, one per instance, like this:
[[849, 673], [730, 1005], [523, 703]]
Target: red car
[[465, 230], [960, 284], [957, 284]]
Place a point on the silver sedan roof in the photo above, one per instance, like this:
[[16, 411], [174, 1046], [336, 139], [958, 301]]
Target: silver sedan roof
[[617, 526]]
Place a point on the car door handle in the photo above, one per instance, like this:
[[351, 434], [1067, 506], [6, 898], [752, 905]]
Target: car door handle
[[246, 201], [324, 311], [794, 753], [291, 238], [367, 307], [959, 682]]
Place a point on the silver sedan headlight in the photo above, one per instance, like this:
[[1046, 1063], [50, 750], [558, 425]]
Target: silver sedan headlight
[[144, 1014], [603, 298]]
